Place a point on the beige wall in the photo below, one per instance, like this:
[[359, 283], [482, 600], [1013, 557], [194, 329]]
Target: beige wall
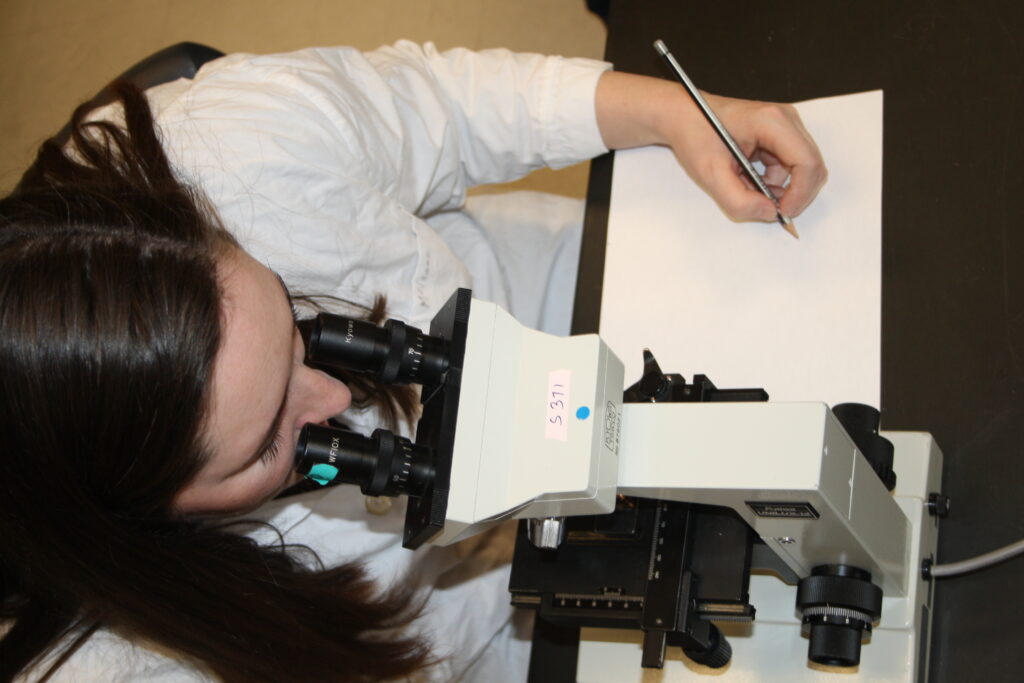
[[57, 53]]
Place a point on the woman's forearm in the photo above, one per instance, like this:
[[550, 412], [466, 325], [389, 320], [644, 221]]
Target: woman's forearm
[[633, 111]]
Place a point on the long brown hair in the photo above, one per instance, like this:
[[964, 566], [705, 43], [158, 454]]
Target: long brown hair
[[109, 325]]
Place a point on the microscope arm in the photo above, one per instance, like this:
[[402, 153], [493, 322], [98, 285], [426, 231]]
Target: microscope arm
[[788, 469], [509, 463]]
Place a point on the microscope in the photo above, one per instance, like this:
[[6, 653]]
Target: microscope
[[765, 537]]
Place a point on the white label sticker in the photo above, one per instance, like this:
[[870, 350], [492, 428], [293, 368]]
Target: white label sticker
[[557, 426]]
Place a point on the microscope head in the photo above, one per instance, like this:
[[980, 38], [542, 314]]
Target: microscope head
[[516, 423]]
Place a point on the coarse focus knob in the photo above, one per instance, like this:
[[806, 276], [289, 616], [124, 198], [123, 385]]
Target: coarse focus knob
[[838, 605]]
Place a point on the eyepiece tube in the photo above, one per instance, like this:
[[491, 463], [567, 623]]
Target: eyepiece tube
[[381, 465], [396, 353]]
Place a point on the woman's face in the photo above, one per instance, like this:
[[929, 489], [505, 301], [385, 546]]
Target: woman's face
[[262, 395]]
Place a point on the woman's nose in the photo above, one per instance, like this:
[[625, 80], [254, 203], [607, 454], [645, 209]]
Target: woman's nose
[[322, 397]]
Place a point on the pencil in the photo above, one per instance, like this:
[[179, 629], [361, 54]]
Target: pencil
[[737, 153]]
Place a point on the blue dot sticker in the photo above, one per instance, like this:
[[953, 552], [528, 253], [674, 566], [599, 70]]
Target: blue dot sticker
[[582, 413]]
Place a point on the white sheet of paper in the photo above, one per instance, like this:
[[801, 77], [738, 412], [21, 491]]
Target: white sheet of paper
[[745, 303]]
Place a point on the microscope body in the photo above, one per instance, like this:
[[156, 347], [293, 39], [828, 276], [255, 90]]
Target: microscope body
[[539, 420], [543, 432], [677, 511]]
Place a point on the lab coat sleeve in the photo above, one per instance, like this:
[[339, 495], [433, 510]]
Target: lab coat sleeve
[[418, 125], [470, 118], [323, 162]]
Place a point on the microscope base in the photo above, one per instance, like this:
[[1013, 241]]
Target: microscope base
[[771, 648]]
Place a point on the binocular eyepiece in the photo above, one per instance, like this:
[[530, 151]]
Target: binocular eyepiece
[[396, 353], [383, 464]]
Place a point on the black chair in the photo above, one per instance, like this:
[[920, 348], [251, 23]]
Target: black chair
[[600, 8], [177, 61]]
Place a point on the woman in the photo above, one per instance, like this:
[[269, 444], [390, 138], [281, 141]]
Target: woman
[[152, 378]]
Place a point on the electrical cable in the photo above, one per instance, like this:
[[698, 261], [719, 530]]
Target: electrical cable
[[979, 562]]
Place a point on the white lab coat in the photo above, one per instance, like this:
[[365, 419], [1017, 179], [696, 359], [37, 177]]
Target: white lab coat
[[347, 174]]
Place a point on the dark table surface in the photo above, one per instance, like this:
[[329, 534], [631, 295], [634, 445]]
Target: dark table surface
[[953, 241]]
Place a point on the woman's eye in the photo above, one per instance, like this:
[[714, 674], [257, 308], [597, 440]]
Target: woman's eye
[[272, 452]]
